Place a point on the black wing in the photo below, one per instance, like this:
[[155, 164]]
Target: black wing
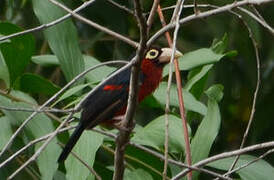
[[101, 105]]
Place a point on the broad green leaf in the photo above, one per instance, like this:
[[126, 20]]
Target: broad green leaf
[[45, 60], [98, 74], [17, 51], [220, 46], [62, 38], [5, 130], [208, 129], [71, 92], [189, 100], [137, 174], [39, 126], [196, 58], [32, 83], [86, 149], [258, 170], [103, 170], [4, 72], [215, 92], [153, 134], [197, 77]]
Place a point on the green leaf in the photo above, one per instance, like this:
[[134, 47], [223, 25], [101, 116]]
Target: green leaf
[[220, 46], [5, 130], [215, 92], [4, 72], [207, 130], [258, 170], [98, 74], [45, 60], [196, 58], [32, 83], [198, 76], [39, 126], [153, 134], [17, 51], [138, 174], [62, 38], [189, 100], [86, 149], [71, 92]]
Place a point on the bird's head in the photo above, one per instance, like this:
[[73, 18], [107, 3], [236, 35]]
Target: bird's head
[[160, 56]]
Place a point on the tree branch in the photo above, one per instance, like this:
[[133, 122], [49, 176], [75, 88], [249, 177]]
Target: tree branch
[[152, 14], [44, 26], [177, 13], [123, 137], [129, 11], [96, 26], [204, 15], [225, 155], [178, 81]]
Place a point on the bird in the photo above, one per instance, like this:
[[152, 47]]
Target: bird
[[108, 103]]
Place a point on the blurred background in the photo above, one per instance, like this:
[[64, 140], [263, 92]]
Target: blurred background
[[237, 75]]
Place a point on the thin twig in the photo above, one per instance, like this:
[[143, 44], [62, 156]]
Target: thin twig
[[161, 157], [177, 13], [84, 163], [152, 14], [225, 155], [123, 137], [41, 148], [258, 19], [30, 144], [95, 25], [249, 163], [255, 93], [204, 15], [44, 26], [43, 110], [124, 8], [32, 172], [179, 90]]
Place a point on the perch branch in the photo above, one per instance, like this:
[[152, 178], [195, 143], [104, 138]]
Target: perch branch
[[123, 137]]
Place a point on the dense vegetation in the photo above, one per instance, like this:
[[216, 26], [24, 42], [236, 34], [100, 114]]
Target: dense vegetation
[[219, 72]]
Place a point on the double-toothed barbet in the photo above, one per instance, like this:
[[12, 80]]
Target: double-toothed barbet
[[109, 101]]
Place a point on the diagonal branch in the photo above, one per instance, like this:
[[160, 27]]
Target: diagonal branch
[[95, 25], [204, 15], [152, 14], [225, 155], [124, 8], [44, 26]]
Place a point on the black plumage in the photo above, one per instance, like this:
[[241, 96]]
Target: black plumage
[[101, 105]]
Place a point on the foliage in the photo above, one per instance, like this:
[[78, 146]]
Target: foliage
[[218, 87]]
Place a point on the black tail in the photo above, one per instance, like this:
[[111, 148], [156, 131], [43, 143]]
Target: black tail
[[71, 143]]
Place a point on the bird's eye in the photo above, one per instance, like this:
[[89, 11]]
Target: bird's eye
[[152, 54]]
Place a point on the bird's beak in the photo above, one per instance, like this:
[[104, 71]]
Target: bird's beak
[[166, 55]]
